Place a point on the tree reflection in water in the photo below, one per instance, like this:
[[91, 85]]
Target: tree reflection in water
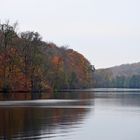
[[38, 121]]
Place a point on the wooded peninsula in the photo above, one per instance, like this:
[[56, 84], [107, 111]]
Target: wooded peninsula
[[28, 64]]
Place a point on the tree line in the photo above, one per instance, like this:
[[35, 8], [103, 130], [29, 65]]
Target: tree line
[[105, 79], [29, 64]]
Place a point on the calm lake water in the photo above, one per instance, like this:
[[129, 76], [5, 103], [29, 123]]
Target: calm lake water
[[81, 115]]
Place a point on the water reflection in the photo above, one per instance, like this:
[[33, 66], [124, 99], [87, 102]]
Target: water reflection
[[43, 118], [34, 122], [58, 95], [118, 99], [74, 116]]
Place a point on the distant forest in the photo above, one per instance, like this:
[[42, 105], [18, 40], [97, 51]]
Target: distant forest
[[124, 76], [29, 64]]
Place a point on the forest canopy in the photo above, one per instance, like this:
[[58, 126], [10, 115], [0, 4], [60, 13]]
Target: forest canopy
[[29, 64], [123, 76]]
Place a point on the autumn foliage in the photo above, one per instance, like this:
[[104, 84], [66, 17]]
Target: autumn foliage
[[29, 64]]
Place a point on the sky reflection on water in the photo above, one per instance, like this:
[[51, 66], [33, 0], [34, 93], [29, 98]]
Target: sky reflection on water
[[73, 116]]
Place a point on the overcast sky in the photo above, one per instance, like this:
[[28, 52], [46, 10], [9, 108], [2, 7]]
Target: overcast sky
[[107, 32]]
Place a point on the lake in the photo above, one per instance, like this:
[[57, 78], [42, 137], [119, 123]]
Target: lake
[[81, 115]]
